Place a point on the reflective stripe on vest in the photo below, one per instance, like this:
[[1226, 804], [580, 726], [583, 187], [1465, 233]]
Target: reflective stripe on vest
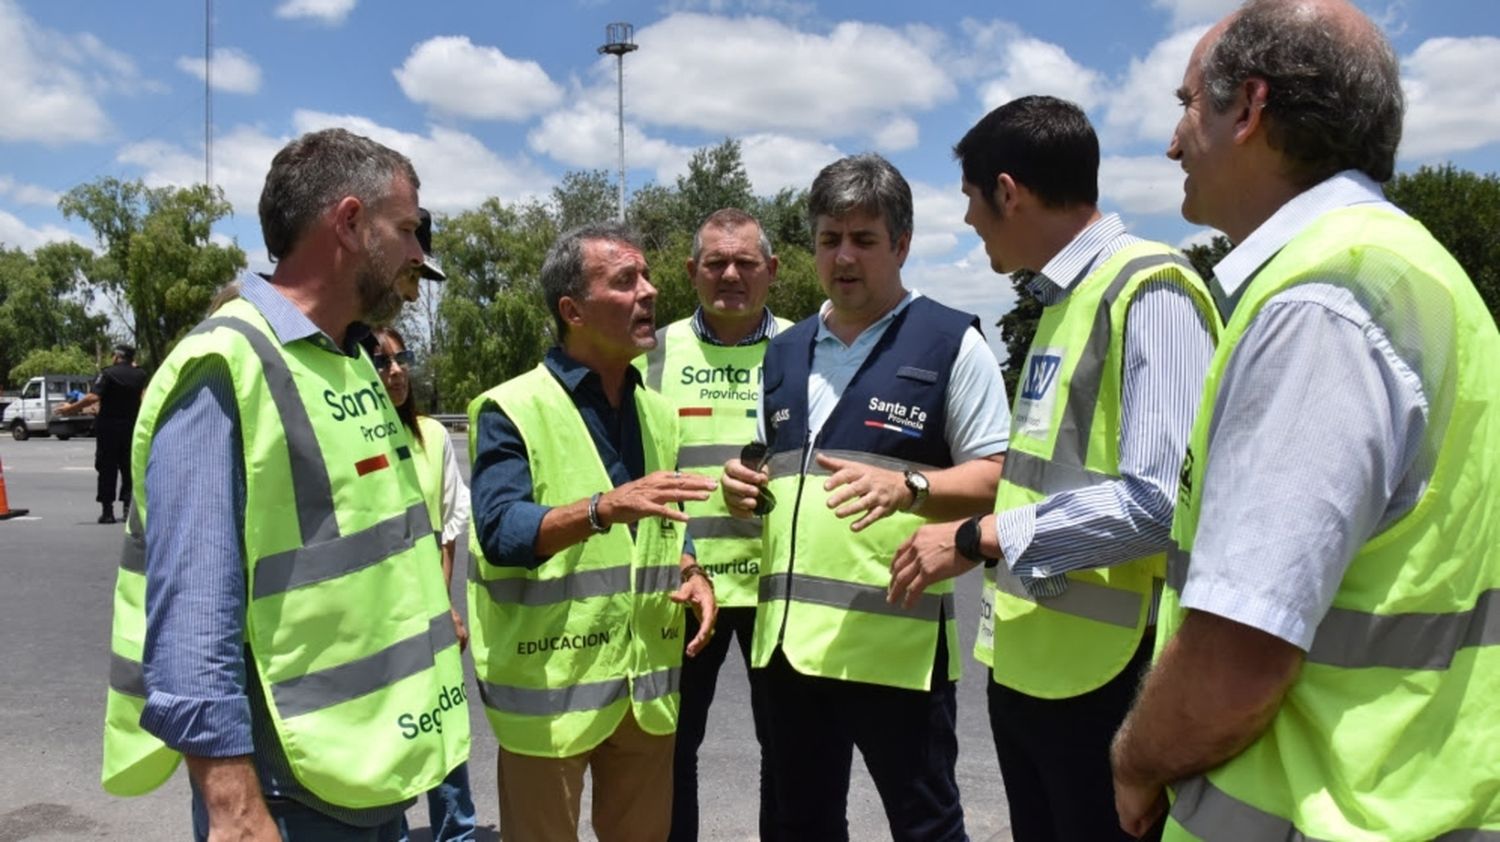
[[868, 599], [585, 584], [1049, 652], [580, 698]]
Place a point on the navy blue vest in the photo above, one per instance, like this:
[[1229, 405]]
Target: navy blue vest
[[895, 406]]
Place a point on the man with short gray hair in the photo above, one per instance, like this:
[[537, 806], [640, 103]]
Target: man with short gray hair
[[580, 560], [884, 410], [1328, 663]]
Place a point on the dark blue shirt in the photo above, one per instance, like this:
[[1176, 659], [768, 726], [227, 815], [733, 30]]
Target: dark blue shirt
[[507, 517]]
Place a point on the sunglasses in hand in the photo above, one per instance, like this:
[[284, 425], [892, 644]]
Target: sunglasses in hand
[[755, 456]]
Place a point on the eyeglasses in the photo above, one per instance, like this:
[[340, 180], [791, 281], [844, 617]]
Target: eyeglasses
[[404, 358], [755, 456]]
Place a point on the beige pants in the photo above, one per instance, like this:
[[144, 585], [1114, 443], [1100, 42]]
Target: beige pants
[[540, 797]]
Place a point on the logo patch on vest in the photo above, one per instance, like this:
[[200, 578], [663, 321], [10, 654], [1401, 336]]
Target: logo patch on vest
[[1038, 391], [897, 417]]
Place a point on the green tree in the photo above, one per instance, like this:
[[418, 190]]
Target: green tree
[[1205, 256], [1018, 328], [1462, 210], [43, 304], [53, 361], [715, 179], [585, 196], [159, 263]]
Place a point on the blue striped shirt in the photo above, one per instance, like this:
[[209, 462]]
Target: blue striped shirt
[[1167, 349], [201, 699]]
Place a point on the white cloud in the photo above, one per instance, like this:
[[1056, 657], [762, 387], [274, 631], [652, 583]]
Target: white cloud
[[587, 136], [28, 194], [1030, 66], [1144, 107], [14, 233], [785, 9], [329, 12], [242, 156], [900, 133], [234, 71], [1142, 185], [1196, 11], [458, 171], [938, 219], [746, 75], [775, 162], [1199, 237], [455, 76], [1453, 96], [967, 284], [49, 82]]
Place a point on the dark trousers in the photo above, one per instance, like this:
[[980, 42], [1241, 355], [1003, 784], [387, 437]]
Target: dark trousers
[[700, 677], [112, 459], [1054, 757], [907, 740]]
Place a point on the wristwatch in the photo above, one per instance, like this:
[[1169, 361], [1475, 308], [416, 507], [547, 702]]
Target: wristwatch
[[966, 541], [917, 484]]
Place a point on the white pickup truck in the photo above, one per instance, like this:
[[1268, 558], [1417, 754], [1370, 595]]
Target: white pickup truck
[[35, 411]]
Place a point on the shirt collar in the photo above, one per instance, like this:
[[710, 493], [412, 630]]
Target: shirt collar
[[1079, 257], [705, 333], [878, 325], [1346, 189], [291, 324], [573, 374]]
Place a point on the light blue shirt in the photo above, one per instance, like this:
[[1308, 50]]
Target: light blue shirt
[[1317, 438], [1167, 348]]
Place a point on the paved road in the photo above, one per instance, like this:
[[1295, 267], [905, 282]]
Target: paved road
[[57, 573]]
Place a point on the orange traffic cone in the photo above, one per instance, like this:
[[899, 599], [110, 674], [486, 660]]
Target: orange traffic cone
[[5, 510]]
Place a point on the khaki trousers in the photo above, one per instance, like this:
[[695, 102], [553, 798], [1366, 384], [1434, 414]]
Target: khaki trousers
[[541, 797]]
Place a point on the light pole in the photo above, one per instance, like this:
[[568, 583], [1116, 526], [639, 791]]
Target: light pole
[[617, 43]]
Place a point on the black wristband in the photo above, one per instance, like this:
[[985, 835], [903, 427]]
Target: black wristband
[[967, 542]]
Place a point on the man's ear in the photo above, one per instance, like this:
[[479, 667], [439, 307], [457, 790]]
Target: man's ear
[[348, 217], [1251, 102], [772, 265], [572, 314], [1007, 194], [692, 268]]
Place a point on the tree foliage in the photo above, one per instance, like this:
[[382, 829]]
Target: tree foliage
[[159, 265], [1205, 256], [1462, 210], [1018, 328], [43, 304], [68, 360]]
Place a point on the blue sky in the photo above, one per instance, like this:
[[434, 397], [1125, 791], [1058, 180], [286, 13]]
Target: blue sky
[[502, 98]]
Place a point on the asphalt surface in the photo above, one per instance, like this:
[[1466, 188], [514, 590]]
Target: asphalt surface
[[57, 575]]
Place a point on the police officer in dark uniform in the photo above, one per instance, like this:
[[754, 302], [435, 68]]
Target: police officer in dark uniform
[[117, 390]]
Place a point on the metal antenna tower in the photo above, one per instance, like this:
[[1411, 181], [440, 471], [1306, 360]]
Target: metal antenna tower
[[617, 43], [208, 94]]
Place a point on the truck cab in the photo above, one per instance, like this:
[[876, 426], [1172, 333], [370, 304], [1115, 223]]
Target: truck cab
[[34, 412]]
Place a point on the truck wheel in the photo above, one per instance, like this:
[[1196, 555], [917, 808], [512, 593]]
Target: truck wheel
[[18, 430], [64, 436]]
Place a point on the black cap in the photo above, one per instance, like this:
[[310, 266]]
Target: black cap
[[430, 269], [126, 351]]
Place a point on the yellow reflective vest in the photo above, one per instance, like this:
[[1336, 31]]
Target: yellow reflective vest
[[347, 617], [716, 391], [1066, 436], [1391, 730], [562, 651]]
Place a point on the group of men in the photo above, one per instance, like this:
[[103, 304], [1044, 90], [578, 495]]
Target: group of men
[[1240, 536]]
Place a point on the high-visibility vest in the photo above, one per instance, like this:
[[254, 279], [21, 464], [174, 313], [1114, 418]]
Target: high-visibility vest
[[561, 652], [1390, 730], [347, 617], [716, 391], [823, 599], [430, 465], [1066, 436]]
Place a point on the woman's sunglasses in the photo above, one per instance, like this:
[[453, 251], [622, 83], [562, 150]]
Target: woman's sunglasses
[[405, 358]]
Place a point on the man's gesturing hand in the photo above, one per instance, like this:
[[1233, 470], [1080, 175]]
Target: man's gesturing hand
[[926, 558], [651, 496]]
